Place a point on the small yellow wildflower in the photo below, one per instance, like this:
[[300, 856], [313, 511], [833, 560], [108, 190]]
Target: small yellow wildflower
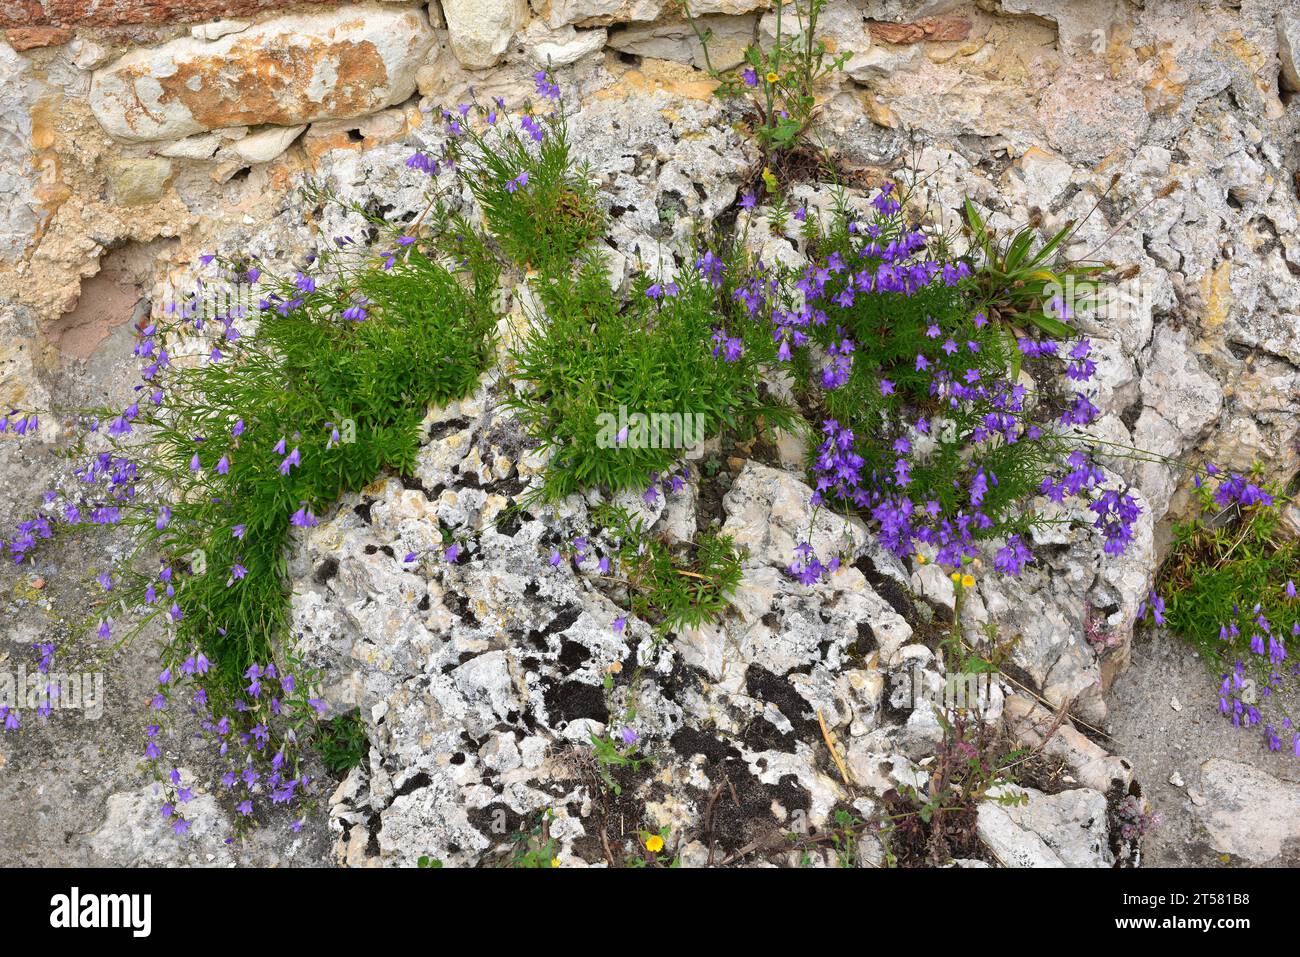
[[773, 77], [967, 581], [555, 862], [955, 576], [654, 843]]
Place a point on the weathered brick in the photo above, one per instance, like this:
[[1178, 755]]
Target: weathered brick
[[29, 38], [115, 13], [943, 29]]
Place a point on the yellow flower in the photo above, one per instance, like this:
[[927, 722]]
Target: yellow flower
[[654, 843], [555, 862], [967, 581], [773, 77], [921, 559], [955, 576]]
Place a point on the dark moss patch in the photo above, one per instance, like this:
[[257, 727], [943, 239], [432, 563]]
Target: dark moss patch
[[689, 742], [773, 689], [887, 588], [440, 430], [762, 735], [572, 655], [326, 570], [495, 821], [573, 700], [737, 811]]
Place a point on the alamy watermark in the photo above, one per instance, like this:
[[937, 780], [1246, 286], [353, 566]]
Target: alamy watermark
[[212, 300], [75, 910], [655, 430], [965, 691], [44, 692], [1097, 302]]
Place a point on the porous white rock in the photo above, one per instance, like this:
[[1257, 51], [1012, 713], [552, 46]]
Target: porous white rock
[[1068, 829], [18, 200], [1036, 727], [769, 512], [558, 13], [1247, 812], [216, 29]]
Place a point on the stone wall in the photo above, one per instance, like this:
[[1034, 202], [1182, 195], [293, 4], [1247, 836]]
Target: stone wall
[[136, 136], [174, 128]]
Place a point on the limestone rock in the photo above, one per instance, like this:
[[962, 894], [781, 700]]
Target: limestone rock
[[556, 48], [769, 513], [677, 41], [266, 145], [1087, 117], [1091, 764], [701, 8], [1068, 829], [1038, 177], [604, 12], [138, 181], [87, 54], [134, 833], [218, 28], [482, 29], [1182, 401], [1079, 23], [18, 200], [197, 147], [558, 13], [1288, 48], [1247, 812], [123, 13], [286, 71], [33, 38]]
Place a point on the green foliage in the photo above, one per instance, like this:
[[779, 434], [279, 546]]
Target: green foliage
[[887, 391], [1020, 282], [626, 753], [610, 757], [970, 654], [545, 222], [589, 353], [533, 845], [653, 852], [593, 357], [672, 587], [347, 395], [341, 742], [1224, 562], [970, 765], [845, 826], [780, 81]]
